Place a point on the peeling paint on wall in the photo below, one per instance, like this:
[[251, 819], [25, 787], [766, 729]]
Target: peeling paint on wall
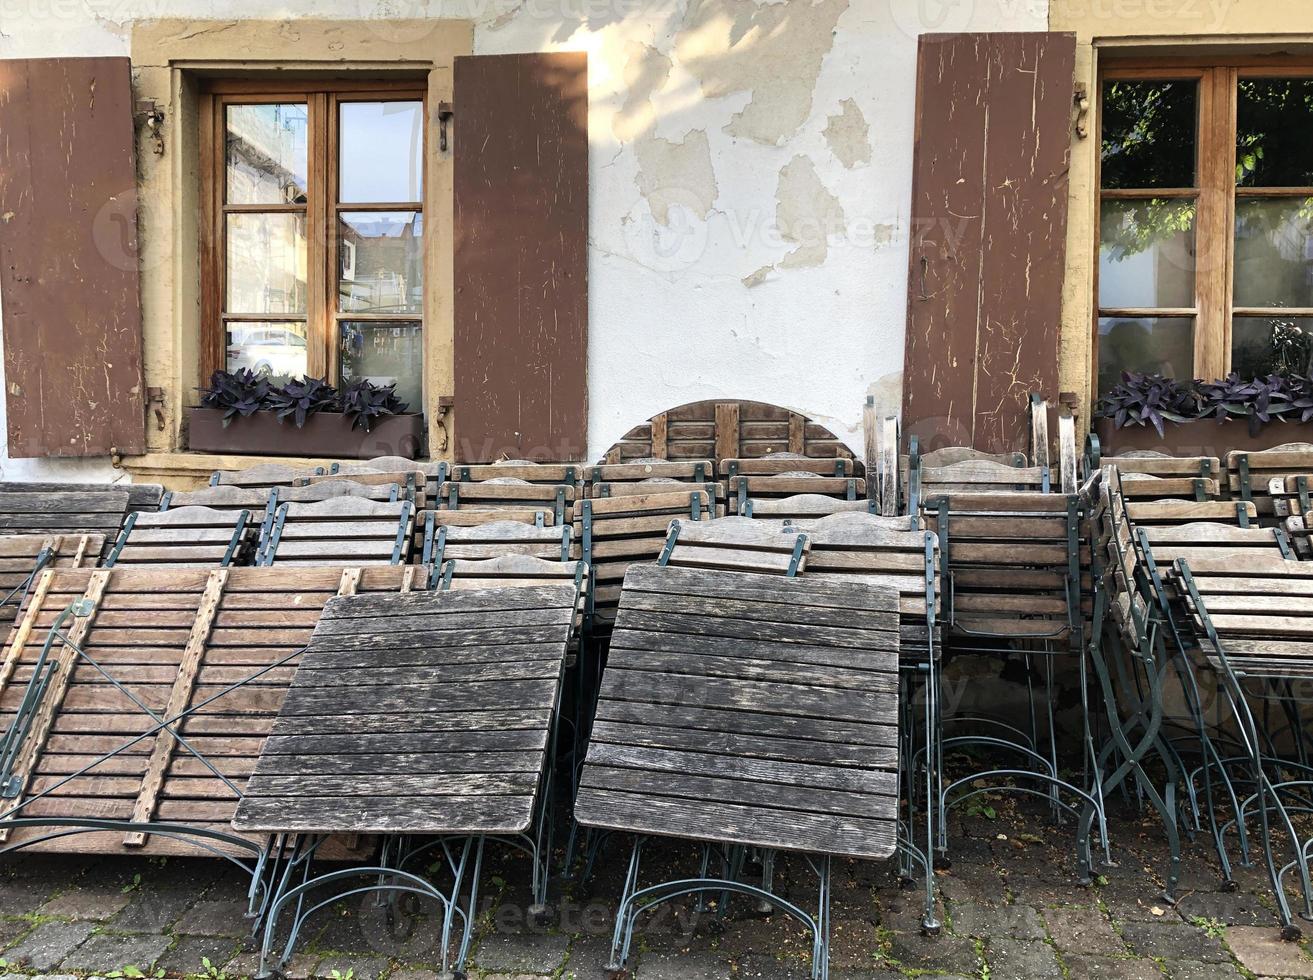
[[847, 133], [807, 213], [646, 71], [772, 50], [672, 173]]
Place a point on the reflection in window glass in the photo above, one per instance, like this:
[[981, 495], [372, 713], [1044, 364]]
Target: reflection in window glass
[[272, 348], [1274, 251], [1263, 345], [386, 352], [1149, 133], [381, 262], [266, 154], [1147, 345], [266, 263], [380, 146], [1146, 253], [1274, 132]]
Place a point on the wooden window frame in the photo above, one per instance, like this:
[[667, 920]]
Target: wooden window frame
[[322, 207], [1215, 191]]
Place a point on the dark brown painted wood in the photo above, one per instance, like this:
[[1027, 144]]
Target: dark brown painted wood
[[521, 257], [68, 258], [989, 214]]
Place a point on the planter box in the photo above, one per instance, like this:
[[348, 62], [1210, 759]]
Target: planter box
[[1203, 437], [326, 434]]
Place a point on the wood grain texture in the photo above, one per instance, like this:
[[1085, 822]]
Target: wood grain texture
[[745, 715], [989, 211], [68, 248], [521, 256], [487, 785]]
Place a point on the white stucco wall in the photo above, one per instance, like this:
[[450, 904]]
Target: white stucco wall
[[750, 178]]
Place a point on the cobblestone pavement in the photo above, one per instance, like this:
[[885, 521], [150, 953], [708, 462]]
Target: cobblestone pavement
[[1010, 904]]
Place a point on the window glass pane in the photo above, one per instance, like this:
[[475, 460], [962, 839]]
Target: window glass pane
[[1149, 345], [1263, 345], [381, 262], [274, 348], [1149, 133], [266, 263], [386, 352], [1274, 251], [266, 154], [380, 150], [1274, 132], [1146, 253]]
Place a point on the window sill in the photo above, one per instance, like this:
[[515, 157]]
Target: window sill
[[187, 471]]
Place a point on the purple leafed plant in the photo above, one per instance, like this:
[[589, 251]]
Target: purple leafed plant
[[1151, 399], [365, 402]]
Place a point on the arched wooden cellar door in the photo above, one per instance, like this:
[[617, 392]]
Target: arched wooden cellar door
[[727, 429]]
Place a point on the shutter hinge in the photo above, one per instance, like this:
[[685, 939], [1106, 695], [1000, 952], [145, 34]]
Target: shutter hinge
[[150, 117], [1081, 99], [445, 112]]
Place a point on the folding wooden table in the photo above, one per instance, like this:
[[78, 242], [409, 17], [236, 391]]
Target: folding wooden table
[[425, 717], [748, 712]]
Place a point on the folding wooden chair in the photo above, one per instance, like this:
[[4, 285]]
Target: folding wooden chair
[[787, 473], [1150, 486], [24, 556], [1017, 578], [514, 493], [935, 460], [897, 552], [495, 540], [649, 468], [62, 508], [184, 536], [338, 531], [736, 544], [1158, 500], [1292, 494], [1249, 612], [617, 530], [1250, 475], [746, 712], [510, 571], [981, 476], [541, 474], [1299, 528], [429, 719], [264, 475], [137, 700], [804, 507]]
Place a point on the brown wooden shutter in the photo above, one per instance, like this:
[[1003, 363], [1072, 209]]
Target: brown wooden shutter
[[521, 257], [989, 225], [68, 258]]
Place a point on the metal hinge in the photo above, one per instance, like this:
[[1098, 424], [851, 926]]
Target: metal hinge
[[150, 117]]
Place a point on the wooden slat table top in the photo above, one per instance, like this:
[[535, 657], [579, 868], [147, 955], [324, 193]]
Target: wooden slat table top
[[751, 709], [139, 633], [356, 747]]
